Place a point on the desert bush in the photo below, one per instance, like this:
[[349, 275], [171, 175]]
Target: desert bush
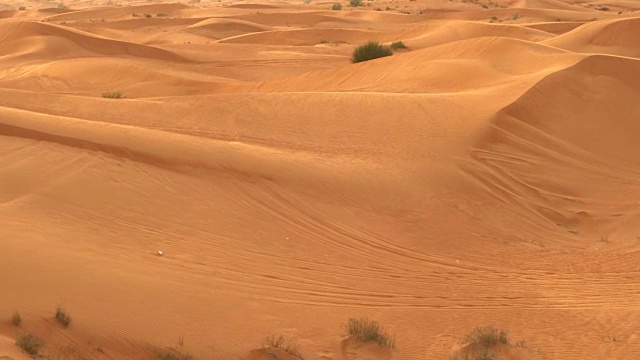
[[369, 331], [369, 51], [355, 3], [515, 16], [147, 15], [30, 343], [16, 319], [173, 355], [112, 95], [398, 45], [281, 344], [482, 354], [336, 6], [22, 8], [487, 336], [63, 317]]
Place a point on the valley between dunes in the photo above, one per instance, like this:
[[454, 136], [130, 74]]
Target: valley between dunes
[[489, 173]]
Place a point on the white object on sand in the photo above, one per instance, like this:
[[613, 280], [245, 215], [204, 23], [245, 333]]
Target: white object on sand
[[160, 253]]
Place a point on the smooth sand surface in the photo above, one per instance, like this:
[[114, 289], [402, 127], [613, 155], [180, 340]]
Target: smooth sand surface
[[487, 174]]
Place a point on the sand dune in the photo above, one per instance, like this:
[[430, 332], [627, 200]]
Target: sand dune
[[548, 5], [37, 40], [535, 131], [488, 173], [116, 13], [461, 66], [615, 37]]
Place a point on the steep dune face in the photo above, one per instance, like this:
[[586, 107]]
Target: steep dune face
[[253, 182], [536, 152]]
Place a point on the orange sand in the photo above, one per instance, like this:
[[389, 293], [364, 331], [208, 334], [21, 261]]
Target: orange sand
[[488, 174]]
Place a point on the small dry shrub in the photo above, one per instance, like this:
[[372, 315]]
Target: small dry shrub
[[369, 331], [31, 344]]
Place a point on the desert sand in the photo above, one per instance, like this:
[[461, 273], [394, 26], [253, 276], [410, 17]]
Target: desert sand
[[489, 173]]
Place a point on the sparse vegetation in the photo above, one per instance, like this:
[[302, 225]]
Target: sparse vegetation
[[604, 239], [16, 319], [281, 344], [336, 6], [173, 355], [22, 8], [147, 15], [62, 6], [483, 354], [398, 45], [63, 317], [515, 16], [487, 336], [31, 344], [307, 2], [369, 51], [112, 95], [355, 3], [369, 331], [481, 344]]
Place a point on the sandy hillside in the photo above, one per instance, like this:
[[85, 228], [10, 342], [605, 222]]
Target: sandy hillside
[[489, 173]]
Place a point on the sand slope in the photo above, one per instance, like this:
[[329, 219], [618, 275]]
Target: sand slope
[[489, 173]]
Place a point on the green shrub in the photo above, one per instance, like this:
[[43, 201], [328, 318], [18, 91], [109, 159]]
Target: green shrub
[[336, 6], [22, 8], [16, 319], [30, 343], [398, 45], [369, 331], [63, 317], [369, 51], [355, 3]]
